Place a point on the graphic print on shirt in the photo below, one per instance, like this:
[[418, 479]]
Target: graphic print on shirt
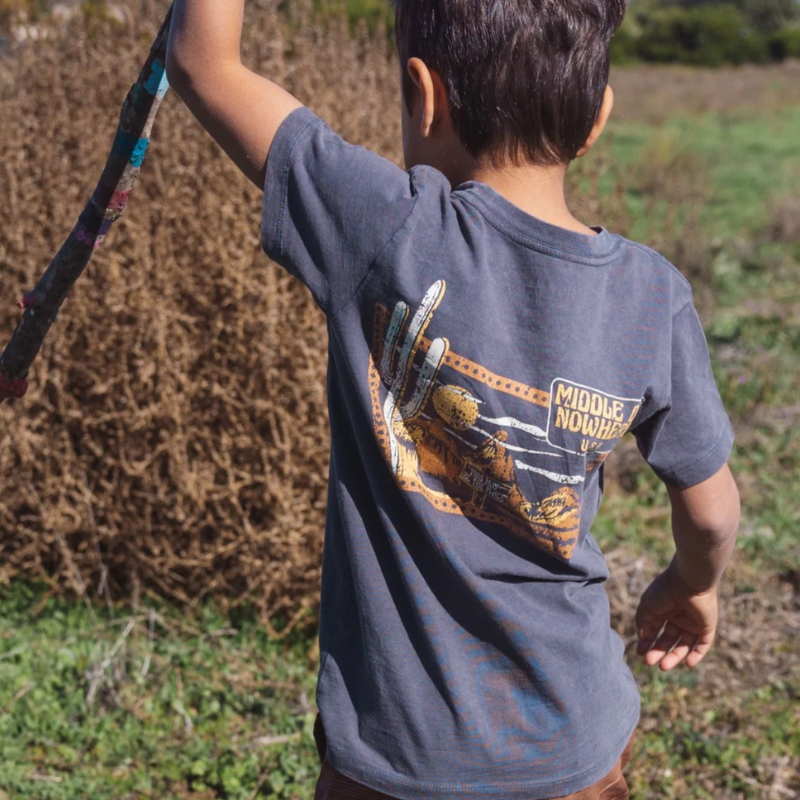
[[439, 444]]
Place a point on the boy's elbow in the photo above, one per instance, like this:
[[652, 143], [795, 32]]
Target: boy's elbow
[[725, 523], [720, 520], [711, 509], [178, 70], [185, 68], [729, 509], [194, 79]]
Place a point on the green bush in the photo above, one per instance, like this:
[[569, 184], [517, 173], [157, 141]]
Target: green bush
[[785, 44], [703, 36], [769, 16], [623, 45], [376, 13]]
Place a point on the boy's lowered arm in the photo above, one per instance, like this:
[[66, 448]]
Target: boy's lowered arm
[[241, 110], [683, 599], [705, 519]]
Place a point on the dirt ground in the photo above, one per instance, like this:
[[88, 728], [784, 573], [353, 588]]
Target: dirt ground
[[655, 93]]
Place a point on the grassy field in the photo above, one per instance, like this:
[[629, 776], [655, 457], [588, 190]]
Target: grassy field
[[99, 700]]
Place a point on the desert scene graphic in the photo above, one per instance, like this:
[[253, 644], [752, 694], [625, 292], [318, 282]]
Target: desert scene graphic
[[428, 406]]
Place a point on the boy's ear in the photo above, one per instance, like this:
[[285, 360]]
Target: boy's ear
[[600, 122], [431, 95]]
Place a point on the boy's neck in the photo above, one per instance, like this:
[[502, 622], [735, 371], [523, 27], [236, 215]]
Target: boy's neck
[[537, 190]]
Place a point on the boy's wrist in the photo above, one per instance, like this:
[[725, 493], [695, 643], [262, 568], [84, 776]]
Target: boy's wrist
[[694, 579]]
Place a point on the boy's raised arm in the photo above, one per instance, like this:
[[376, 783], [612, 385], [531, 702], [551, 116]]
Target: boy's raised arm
[[241, 110], [683, 599]]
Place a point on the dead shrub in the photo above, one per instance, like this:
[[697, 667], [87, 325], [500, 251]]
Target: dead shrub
[[175, 433]]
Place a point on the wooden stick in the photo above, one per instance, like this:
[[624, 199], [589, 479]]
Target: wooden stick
[[42, 304]]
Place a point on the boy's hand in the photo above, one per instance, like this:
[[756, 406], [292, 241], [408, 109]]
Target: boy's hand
[[683, 599], [688, 619]]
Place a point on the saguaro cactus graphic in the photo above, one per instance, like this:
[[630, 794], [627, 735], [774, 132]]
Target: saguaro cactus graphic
[[397, 365], [438, 443]]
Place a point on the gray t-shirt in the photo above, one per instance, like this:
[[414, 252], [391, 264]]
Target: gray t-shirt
[[482, 364]]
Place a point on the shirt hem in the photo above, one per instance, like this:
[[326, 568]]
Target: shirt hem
[[276, 194], [405, 789], [276, 179], [701, 468]]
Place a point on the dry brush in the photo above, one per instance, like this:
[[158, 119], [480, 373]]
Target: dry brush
[[175, 434]]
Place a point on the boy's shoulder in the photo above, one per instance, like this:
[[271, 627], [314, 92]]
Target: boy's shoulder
[[659, 262], [661, 269]]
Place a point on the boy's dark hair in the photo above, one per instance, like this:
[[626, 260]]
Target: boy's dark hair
[[524, 78]]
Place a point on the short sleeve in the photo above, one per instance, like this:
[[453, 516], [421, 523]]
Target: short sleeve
[[689, 438], [330, 208]]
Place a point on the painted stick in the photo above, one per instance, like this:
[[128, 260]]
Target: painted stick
[[105, 207]]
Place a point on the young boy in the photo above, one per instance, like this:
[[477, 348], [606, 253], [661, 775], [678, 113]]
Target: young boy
[[487, 351]]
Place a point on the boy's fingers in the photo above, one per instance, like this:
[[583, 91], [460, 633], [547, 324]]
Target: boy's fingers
[[673, 658], [700, 650], [694, 658], [654, 656], [649, 630], [647, 641], [689, 647], [668, 639], [667, 643], [647, 634]]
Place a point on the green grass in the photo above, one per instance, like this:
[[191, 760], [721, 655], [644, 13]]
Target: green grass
[[751, 155], [191, 708], [727, 749], [186, 711]]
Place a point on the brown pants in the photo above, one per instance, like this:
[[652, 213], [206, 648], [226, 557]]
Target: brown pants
[[332, 785]]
